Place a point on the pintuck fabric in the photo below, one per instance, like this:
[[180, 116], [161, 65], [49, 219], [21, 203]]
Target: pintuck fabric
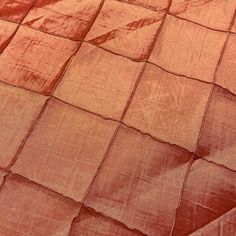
[[117, 117]]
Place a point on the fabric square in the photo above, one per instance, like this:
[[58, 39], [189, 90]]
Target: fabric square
[[71, 19], [19, 109], [218, 137], [216, 14], [27, 209], [7, 29], [99, 81], [140, 182], [125, 29], [163, 101], [15, 10], [90, 223], [66, 147], [209, 193], [226, 72], [224, 225], [194, 55], [34, 60], [151, 4]]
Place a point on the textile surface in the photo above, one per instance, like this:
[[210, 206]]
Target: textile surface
[[117, 117]]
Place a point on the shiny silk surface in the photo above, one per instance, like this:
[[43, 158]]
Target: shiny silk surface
[[117, 117]]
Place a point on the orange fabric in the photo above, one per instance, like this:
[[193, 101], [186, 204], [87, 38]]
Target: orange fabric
[[117, 117]]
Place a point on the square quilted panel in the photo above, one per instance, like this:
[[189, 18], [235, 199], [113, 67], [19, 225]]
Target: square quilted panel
[[125, 29], [95, 78], [7, 30], [216, 14], [224, 225], [163, 101], [194, 55], [90, 223], [140, 183], [27, 209], [15, 10], [66, 147], [70, 19], [218, 137], [18, 111], [226, 72], [209, 193], [35, 60], [151, 4]]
